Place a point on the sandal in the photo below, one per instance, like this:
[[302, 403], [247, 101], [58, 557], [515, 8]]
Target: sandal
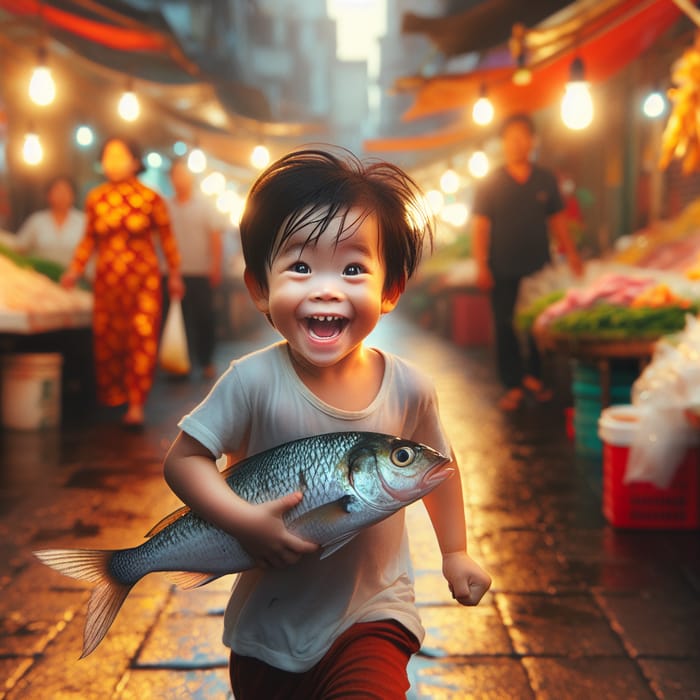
[[538, 390], [512, 399]]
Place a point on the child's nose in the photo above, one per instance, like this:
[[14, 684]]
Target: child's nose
[[326, 292]]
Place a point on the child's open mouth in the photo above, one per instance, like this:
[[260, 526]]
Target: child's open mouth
[[325, 327]]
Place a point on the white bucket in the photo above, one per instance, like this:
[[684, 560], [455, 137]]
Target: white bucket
[[31, 391], [618, 425]]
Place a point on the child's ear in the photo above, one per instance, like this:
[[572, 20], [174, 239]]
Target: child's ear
[[257, 293], [390, 299]]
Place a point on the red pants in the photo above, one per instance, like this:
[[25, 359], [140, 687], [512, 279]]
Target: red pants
[[367, 661]]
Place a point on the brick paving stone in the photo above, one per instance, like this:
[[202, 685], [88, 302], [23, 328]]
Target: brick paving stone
[[587, 679], [673, 679], [162, 684], [571, 625]]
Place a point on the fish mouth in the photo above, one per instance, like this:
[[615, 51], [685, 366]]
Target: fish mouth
[[438, 474], [325, 326]]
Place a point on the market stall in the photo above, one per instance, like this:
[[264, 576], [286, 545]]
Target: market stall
[[38, 316]]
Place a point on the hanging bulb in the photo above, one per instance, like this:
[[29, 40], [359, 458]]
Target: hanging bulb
[[42, 89], [449, 181], [523, 75], [577, 103], [197, 161], [32, 152], [129, 107], [482, 112]]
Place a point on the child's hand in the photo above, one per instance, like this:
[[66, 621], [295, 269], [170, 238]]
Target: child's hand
[[267, 539], [467, 580]]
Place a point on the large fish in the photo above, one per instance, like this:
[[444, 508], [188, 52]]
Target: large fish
[[349, 481]]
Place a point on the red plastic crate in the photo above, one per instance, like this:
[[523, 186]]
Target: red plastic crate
[[642, 505]]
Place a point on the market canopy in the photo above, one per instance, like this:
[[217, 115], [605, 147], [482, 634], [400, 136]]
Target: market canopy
[[606, 35], [105, 44]]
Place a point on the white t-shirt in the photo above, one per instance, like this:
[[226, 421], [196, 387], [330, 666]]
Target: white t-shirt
[[193, 223], [39, 235], [289, 618]]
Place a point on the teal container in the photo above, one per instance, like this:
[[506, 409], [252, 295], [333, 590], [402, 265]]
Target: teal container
[[588, 405]]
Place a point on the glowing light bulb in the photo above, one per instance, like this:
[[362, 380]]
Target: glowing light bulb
[[129, 107], [42, 89], [32, 152], [214, 183], [435, 200], [482, 112], [84, 136], [196, 160], [154, 159], [478, 164], [577, 103], [260, 157], [654, 105]]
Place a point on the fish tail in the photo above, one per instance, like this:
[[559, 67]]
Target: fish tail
[[91, 565]]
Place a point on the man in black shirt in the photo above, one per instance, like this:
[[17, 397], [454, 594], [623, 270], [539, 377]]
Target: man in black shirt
[[515, 208]]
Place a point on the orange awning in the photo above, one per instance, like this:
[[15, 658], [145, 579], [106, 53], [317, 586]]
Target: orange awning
[[635, 27]]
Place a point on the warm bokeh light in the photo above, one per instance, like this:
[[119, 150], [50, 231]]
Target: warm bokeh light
[[32, 151], [577, 103], [84, 136], [237, 210], [228, 201], [455, 214], [197, 161], [129, 107], [654, 105], [577, 106], [435, 200], [482, 112], [214, 183], [449, 181], [42, 89], [478, 164], [260, 157]]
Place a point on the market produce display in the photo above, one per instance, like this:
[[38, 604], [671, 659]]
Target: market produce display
[[614, 306], [26, 290]]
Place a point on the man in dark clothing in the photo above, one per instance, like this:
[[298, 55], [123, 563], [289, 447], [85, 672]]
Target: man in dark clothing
[[515, 208]]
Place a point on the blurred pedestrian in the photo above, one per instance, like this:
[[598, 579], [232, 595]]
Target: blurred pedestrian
[[53, 233], [515, 209], [198, 231], [123, 219]]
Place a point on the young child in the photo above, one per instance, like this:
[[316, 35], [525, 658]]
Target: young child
[[329, 243]]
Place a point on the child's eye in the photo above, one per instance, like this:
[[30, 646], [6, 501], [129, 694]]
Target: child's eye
[[353, 269], [301, 267]]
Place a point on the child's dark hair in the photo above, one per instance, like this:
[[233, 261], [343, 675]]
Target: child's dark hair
[[310, 188]]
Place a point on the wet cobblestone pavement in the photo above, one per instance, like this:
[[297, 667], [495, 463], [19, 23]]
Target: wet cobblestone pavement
[[577, 610]]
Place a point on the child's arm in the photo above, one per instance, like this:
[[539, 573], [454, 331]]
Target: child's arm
[[191, 472], [467, 580]]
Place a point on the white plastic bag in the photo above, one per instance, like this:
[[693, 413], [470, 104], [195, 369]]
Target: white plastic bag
[[174, 356]]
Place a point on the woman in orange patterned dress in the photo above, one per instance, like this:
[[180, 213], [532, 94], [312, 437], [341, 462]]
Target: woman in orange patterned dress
[[123, 218]]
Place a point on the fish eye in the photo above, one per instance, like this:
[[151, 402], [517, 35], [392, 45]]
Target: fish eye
[[402, 456]]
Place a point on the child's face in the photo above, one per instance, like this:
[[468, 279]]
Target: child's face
[[326, 297]]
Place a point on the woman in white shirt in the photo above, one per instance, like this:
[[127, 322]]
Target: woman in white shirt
[[53, 233]]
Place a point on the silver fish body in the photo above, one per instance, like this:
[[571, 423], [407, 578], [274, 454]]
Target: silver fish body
[[349, 480]]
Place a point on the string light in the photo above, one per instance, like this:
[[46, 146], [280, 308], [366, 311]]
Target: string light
[[42, 88], [482, 112], [129, 107], [32, 151], [478, 164], [449, 181], [197, 161], [577, 103], [260, 157]]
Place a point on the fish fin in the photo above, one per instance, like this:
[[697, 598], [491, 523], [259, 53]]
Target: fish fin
[[333, 547], [90, 565], [191, 579], [168, 520]]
